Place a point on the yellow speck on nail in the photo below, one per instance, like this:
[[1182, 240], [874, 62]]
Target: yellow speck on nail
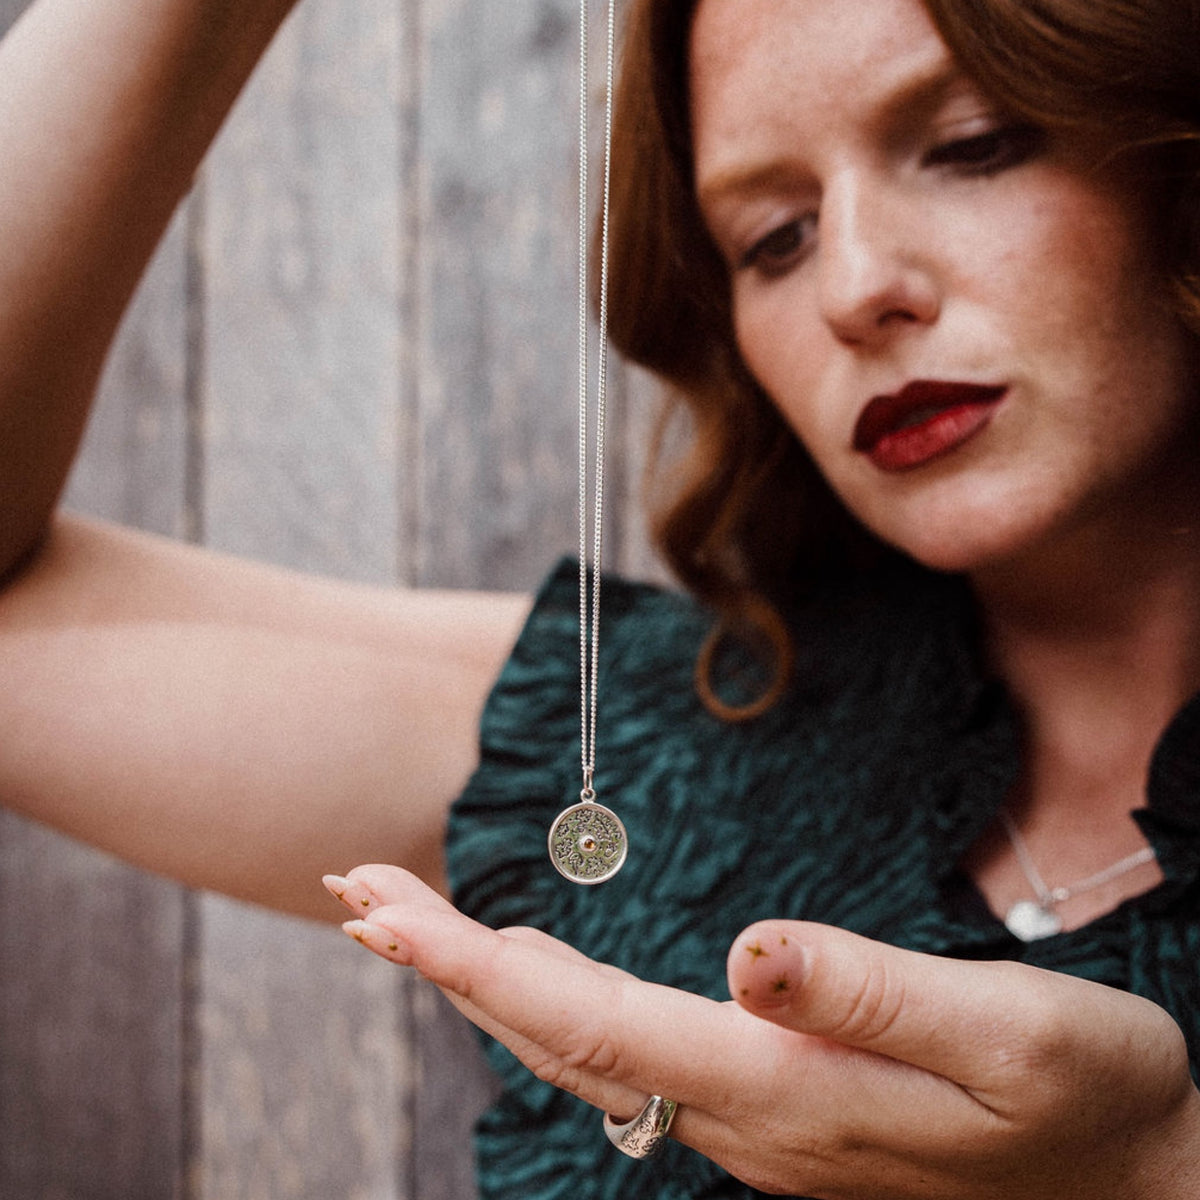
[[392, 946], [756, 951], [783, 941], [358, 935], [366, 902]]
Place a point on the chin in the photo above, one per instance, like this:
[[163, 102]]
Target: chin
[[969, 522], [961, 544]]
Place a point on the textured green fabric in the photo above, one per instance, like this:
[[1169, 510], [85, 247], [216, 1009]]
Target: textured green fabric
[[850, 803]]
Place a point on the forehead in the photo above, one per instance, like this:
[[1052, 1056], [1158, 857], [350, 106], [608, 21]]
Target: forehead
[[758, 67]]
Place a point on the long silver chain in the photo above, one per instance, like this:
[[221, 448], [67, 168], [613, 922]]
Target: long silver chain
[[588, 842], [589, 616], [1049, 897]]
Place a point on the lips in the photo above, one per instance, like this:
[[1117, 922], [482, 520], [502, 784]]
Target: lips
[[923, 421]]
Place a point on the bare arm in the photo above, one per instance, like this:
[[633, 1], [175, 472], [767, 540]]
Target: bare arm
[[234, 726], [106, 109]]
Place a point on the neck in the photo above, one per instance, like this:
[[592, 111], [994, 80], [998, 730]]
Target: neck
[[1099, 642], [1098, 639]]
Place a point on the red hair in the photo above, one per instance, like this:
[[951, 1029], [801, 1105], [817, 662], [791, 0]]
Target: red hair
[[740, 513]]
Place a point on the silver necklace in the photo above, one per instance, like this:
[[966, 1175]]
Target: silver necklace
[[587, 841], [1031, 920]]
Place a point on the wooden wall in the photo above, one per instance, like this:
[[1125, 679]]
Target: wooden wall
[[354, 354]]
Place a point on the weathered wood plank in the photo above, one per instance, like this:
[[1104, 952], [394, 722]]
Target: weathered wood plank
[[381, 386], [496, 383], [304, 1076], [92, 1017], [497, 287], [90, 1023]]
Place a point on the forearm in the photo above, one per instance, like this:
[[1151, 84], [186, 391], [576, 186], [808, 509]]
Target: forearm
[[106, 109]]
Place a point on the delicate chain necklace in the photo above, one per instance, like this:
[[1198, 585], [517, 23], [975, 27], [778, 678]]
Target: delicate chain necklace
[[1030, 920], [587, 841]]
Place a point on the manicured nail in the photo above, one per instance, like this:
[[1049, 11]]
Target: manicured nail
[[356, 896], [336, 884], [381, 941], [767, 968]]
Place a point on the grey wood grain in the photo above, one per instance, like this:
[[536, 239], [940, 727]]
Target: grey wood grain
[[497, 286], [354, 355], [303, 1082], [93, 1017]]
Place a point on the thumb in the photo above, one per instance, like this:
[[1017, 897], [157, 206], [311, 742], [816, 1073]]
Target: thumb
[[962, 1020]]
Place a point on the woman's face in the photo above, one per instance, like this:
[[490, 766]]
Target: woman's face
[[963, 324]]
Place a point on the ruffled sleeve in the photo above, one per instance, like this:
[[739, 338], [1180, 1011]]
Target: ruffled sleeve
[[536, 1142], [529, 766]]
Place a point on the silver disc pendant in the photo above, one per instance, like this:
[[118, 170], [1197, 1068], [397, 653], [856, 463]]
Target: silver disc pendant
[[1030, 922], [588, 843]]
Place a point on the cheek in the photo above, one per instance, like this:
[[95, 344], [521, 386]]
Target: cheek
[[782, 347], [1079, 274]]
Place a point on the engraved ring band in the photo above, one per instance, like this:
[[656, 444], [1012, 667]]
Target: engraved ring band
[[644, 1135]]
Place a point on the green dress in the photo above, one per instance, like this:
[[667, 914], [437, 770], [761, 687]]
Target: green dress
[[851, 802]]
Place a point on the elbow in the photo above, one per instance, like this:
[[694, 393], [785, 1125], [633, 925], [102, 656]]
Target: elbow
[[20, 545]]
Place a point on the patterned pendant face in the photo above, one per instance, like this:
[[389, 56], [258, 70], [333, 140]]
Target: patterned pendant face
[[1030, 922], [588, 843]]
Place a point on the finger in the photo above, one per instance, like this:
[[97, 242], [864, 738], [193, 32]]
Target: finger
[[588, 1018], [378, 885], [966, 1021], [357, 897], [386, 884], [367, 887], [606, 1094]]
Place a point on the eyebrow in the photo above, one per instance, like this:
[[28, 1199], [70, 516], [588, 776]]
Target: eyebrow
[[915, 94]]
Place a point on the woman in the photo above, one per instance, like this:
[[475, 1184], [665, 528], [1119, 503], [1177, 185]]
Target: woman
[[962, 306]]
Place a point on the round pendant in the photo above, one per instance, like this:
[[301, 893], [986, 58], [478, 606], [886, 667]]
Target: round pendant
[[1030, 922], [588, 843]]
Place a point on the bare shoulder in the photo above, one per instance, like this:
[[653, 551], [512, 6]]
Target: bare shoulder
[[285, 725]]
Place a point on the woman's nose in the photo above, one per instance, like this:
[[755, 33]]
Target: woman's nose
[[874, 276]]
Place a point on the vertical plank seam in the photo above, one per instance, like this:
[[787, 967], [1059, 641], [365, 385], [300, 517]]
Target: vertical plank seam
[[195, 459], [190, 1051], [409, 193], [410, 186]]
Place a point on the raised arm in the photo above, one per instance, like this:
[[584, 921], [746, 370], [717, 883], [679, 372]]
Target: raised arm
[[233, 726], [106, 109]]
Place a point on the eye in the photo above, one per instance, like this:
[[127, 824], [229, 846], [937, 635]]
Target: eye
[[781, 249], [989, 153]]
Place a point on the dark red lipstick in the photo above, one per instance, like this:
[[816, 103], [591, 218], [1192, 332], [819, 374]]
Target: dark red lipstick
[[923, 421]]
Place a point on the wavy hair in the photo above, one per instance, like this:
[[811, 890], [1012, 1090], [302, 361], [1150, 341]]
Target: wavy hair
[[740, 512]]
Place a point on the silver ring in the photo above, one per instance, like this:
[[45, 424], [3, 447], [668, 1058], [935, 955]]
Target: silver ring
[[644, 1136]]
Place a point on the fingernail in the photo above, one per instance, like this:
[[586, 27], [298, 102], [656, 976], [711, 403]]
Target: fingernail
[[354, 895], [381, 941], [768, 967], [336, 884]]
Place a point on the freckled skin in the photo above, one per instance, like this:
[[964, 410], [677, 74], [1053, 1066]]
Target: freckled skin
[[756, 951], [1041, 278], [780, 985]]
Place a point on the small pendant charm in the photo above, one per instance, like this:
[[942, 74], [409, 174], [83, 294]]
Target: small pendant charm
[[1030, 922], [588, 843]]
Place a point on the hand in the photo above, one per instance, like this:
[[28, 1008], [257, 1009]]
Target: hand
[[844, 1068]]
